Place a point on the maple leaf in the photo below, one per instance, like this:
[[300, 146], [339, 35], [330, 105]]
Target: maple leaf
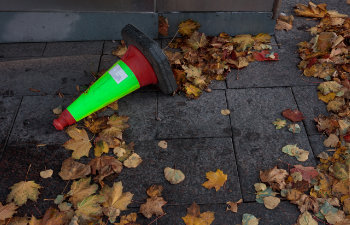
[[22, 191], [174, 57], [279, 123], [293, 115], [275, 177], [174, 176], [53, 217], [299, 153], [249, 219], [105, 165], [90, 207], [311, 10], [79, 144], [233, 206], [197, 40], [244, 41], [128, 219], [7, 211], [271, 202], [72, 170], [194, 217], [153, 206], [308, 173], [101, 147], [187, 27], [133, 161], [121, 50], [96, 125], [113, 134], [81, 189], [192, 91], [155, 190], [215, 180], [163, 26]]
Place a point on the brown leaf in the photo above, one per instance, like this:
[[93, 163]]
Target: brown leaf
[[284, 22], [81, 189], [293, 115], [233, 206], [121, 50], [7, 211], [187, 27], [194, 217], [105, 165], [79, 144], [163, 26], [54, 217], [311, 10], [155, 190], [153, 206], [275, 177], [72, 170]]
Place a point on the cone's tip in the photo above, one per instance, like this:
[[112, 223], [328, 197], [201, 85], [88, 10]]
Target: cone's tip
[[64, 120]]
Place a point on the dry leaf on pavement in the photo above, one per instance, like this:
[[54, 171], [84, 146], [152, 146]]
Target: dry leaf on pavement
[[274, 177], [233, 206], [94, 124], [57, 110], [7, 211], [54, 217], [22, 191], [225, 112], [72, 170], [308, 173], [105, 165], [153, 206], [81, 189], [79, 144], [101, 147], [155, 190], [271, 202], [90, 207], [128, 219], [133, 161], [163, 26], [121, 50], [194, 217], [249, 219], [186, 28], [331, 141], [279, 123], [46, 173], [284, 22], [293, 115], [163, 144], [306, 219], [298, 153], [311, 10], [174, 176], [215, 180]]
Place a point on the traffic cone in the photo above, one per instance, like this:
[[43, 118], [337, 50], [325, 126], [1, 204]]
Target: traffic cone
[[143, 64]]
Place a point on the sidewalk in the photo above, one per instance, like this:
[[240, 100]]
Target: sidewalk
[[199, 138]]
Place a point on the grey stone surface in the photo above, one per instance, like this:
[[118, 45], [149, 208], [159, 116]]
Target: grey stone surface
[[21, 50], [109, 46], [8, 109], [141, 107], [310, 106], [256, 141], [33, 124], [184, 118], [317, 145], [73, 48], [194, 157], [48, 75]]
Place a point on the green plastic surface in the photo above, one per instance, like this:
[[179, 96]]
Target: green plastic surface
[[117, 82]]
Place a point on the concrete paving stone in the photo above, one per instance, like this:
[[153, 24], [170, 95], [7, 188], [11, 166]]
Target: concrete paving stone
[[11, 50], [256, 141], [33, 124], [310, 106], [8, 110], [15, 163], [141, 107], [48, 75], [73, 48], [185, 118], [194, 157], [285, 213], [316, 142]]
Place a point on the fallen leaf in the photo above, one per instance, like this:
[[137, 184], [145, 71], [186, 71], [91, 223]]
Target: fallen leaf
[[262, 37], [294, 128], [155, 190], [244, 41], [133, 161], [57, 110], [225, 112], [81, 189], [265, 55], [121, 50], [79, 144], [293, 115], [34, 221], [114, 134], [308, 173], [329, 87], [284, 22], [163, 26], [332, 214], [114, 105], [336, 105], [197, 40], [233, 206], [194, 217], [187, 27], [249, 219], [215, 180], [311, 10], [260, 195], [271, 202], [7, 211], [96, 125], [101, 147], [275, 177], [90, 207], [22, 191], [128, 219], [259, 187], [326, 98], [72, 170], [279, 123], [18, 221], [53, 217], [174, 176], [326, 124], [300, 154], [192, 91], [124, 151], [64, 206], [331, 141], [153, 206], [306, 219], [163, 144], [105, 165], [46, 173]]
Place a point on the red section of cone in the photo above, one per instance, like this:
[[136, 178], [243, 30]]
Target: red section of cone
[[64, 120], [140, 66]]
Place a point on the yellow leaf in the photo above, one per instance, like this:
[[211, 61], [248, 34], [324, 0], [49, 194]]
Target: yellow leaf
[[173, 176], [79, 144], [81, 189], [311, 10], [133, 161], [192, 91], [22, 191], [7, 211], [34, 221], [101, 147], [128, 219], [326, 98], [243, 41], [262, 37], [225, 112], [115, 197], [194, 217], [215, 179], [328, 87], [186, 28], [90, 207]]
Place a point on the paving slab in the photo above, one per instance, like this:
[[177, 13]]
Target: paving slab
[[141, 108], [285, 213], [33, 124], [256, 141], [180, 117], [317, 145], [11, 50], [194, 157], [73, 48], [8, 110], [48, 75], [310, 106], [15, 163]]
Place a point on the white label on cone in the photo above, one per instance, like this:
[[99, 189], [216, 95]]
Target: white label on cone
[[118, 74]]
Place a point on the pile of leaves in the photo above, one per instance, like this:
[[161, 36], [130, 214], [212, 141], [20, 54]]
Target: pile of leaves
[[321, 193]]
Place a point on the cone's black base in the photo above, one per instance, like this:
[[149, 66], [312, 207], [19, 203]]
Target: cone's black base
[[154, 54]]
